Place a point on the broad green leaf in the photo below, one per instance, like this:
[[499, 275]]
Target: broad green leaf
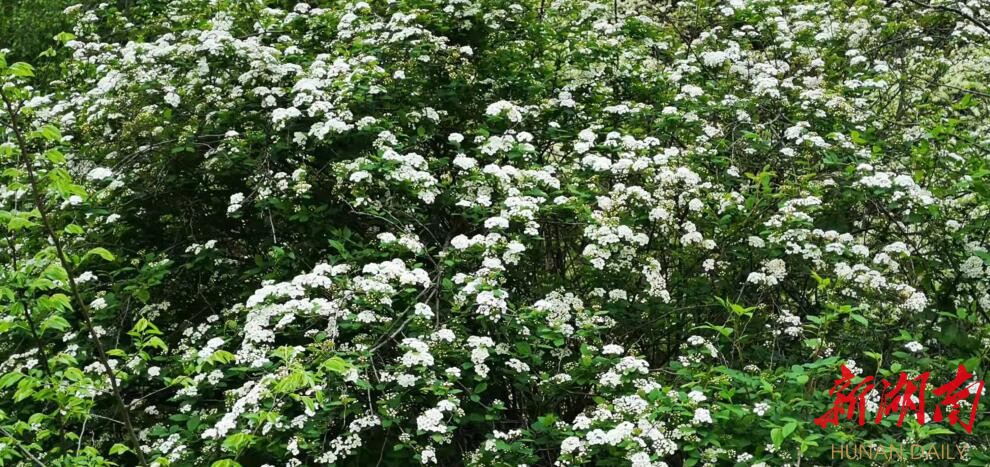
[[119, 449], [237, 441], [21, 69], [55, 156], [10, 378], [55, 322], [337, 365], [788, 429], [101, 252]]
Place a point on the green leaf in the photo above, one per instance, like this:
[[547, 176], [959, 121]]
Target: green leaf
[[59, 301], [17, 223], [118, 449], [859, 319], [9, 379], [337, 245], [157, 343], [21, 69], [965, 103], [55, 156], [337, 365], [101, 252], [64, 37], [221, 356], [73, 374], [48, 133], [938, 430], [225, 463], [777, 436], [141, 325], [55, 322], [293, 382], [24, 390], [237, 441], [788, 429]]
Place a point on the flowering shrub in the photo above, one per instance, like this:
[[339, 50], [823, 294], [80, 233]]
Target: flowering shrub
[[489, 233]]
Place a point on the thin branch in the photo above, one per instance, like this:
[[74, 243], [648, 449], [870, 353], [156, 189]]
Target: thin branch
[[81, 433], [70, 273], [25, 451], [956, 11]]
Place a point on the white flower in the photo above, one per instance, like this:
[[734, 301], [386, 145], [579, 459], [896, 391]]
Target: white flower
[[359, 176], [235, 202], [571, 444], [172, 99], [424, 310], [701, 416], [641, 459], [691, 90], [464, 162], [99, 173], [497, 222], [460, 242], [517, 365], [406, 380], [914, 347], [431, 421], [86, 276], [418, 353], [506, 108], [428, 456], [612, 349], [281, 116]]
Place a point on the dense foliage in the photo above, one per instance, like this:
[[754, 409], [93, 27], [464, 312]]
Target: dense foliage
[[479, 232]]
